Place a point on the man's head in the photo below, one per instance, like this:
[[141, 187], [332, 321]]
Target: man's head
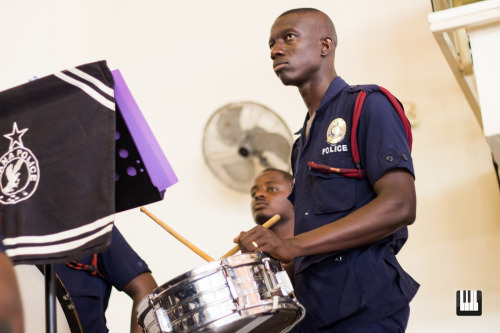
[[270, 195], [302, 43]]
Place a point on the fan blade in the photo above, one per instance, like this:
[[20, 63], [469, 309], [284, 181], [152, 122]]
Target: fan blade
[[228, 125], [241, 171], [260, 141]]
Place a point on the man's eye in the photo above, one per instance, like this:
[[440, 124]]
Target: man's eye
[[272, 189], [289, 36]]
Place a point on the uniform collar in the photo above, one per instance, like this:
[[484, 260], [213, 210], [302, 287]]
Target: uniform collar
[[337, 85]]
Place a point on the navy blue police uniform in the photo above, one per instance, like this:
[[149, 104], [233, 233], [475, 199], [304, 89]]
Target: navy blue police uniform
[[347, 290], [118, 265]]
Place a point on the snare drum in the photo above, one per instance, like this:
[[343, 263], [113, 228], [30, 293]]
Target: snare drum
[[249, 292]]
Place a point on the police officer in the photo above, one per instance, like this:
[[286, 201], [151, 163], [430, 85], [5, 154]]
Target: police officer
[[347, 229]]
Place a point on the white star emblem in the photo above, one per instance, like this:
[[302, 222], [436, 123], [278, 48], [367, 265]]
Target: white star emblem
[[15, 136]]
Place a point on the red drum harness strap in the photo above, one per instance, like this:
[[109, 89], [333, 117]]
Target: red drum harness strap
[[91, 269], [359, 172]]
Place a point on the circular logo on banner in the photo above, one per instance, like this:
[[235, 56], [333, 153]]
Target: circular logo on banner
[[336, 131], [19, 171]]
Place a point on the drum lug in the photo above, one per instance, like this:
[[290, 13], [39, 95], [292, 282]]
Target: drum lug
[[162, 322], [232, 288], [273, 283]]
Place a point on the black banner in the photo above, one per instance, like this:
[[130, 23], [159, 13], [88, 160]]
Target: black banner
[[57, 165]]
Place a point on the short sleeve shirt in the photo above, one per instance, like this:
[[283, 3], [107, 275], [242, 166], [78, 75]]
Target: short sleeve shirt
[[335, 286]]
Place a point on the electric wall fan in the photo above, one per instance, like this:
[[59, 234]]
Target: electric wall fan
[[242, 139]]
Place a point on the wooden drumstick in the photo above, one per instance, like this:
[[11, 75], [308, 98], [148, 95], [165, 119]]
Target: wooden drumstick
[[178, 236], [269, 223]]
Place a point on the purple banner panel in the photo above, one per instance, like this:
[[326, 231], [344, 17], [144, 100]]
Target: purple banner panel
[[160, 172]]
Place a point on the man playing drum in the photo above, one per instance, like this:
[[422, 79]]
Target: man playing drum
[[270, 197], [347, 230]]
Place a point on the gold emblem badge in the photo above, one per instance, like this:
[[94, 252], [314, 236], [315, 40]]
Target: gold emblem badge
[[336, 131]]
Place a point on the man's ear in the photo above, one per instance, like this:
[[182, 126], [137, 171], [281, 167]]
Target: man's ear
[[326, 46]]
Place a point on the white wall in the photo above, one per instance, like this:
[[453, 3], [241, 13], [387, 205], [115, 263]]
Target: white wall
[[183, 60]]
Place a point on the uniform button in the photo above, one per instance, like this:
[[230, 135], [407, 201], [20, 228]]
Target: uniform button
[[389, 158], [404, 157]]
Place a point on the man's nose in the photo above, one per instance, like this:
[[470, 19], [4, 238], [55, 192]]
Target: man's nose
[[260, 194], [277, 49]]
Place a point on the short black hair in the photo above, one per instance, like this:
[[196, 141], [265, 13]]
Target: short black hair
[[287, 175], [302, 10]]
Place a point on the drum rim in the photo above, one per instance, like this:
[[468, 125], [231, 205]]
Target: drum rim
[[264, 307]]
